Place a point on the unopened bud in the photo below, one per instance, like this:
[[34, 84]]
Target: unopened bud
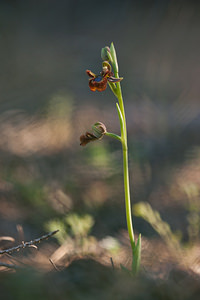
[[105, 53], [98, 131]]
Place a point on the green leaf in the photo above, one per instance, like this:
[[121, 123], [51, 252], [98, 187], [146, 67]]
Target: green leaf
[[120, 118], [136, 256], [114, 58], [106, 55]]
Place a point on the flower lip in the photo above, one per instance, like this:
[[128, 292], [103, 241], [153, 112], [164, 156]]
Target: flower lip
[[98, 78]]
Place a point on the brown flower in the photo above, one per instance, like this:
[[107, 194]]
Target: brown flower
[[99, 82]]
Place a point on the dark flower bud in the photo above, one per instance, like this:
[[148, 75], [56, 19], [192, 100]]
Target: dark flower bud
[[99, 129], [86, 138]]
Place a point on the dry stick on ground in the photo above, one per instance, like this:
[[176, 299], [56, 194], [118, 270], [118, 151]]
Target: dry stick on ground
[[112, 263], [7, 238], [28, 244], [10, 266], [13, 259], [53, 264]]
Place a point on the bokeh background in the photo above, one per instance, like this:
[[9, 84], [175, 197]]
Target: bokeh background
[[47, 181]]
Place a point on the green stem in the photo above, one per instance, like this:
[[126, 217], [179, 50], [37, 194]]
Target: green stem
[[113, 135], [116, 89], [122, 117], [126, 171], [113, 88], [121, 105], [127, 198]]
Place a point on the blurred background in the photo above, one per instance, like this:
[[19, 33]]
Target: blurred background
[[47, 181]]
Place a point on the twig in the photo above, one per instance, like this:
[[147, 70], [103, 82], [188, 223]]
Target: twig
[[7, 238], [53, 264], [112, 263], [10, 266], [15, 259], [28, 244], [20, 231]]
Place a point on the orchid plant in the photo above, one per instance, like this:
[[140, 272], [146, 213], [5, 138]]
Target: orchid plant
[[99, 83]]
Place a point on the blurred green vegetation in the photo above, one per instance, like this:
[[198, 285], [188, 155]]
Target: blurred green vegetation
[[72, 225], [145, 211], [192, 191]]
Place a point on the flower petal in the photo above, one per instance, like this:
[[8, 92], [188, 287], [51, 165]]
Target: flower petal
[[113, 79], [87, 138], [90, 73]]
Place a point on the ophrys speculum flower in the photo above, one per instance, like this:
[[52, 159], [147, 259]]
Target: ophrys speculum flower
[[99, 82]]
